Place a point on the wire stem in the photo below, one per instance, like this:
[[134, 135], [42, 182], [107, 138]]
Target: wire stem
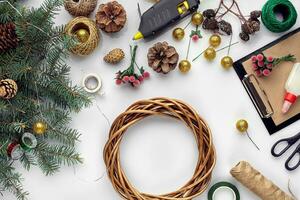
[[252, 141]]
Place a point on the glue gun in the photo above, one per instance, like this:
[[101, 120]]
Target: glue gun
[[163, 14]]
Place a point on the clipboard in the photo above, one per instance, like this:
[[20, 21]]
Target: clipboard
[[267, 93]]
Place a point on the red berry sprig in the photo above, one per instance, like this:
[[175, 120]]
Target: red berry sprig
[[263, 65], [129, 76]]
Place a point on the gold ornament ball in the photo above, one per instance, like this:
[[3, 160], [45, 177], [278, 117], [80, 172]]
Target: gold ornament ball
[[215, 40], [39, 128], [210, 53], [226, 62], [82, 35], [197, 18], [242, 125], [184, 66], [178, 33]]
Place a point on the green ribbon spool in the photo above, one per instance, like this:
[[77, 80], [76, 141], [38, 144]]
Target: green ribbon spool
[[283, 7], [223, 185]]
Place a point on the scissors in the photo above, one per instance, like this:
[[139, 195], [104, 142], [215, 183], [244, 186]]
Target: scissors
[[290, 142]]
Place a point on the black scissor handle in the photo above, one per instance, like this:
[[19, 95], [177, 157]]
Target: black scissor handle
[[287, 163], [273, 152], [290, 141]]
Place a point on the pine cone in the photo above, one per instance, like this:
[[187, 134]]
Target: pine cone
[[255, 25], [209, 13], [8, 88], [111, 17], [255, 14], [225, 27], [210, 24], [8, 37], [247, 28], [244, 36], [114, 56], [162, 58]]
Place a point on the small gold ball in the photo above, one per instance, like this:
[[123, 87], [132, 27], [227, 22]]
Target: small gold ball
[[39, 128], [197, 18], [242, 125], [215, 40], [82, 35], [226, 62], [178, 33], [210, 53], [184, 66]]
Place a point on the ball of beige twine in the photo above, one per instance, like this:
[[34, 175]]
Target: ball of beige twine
[[80, 7], [84, 48]]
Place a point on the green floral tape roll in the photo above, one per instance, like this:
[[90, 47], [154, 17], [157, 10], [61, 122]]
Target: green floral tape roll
[[282, 7], [28, 141], [223, 185]]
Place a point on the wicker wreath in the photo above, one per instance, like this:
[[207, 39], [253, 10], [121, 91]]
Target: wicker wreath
[[162, 107], [80, 7], [84, 48]]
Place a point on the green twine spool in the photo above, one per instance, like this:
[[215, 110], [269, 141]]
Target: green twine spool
[[283, 7]]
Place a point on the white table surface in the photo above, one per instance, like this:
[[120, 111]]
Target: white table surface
[[159, 155]]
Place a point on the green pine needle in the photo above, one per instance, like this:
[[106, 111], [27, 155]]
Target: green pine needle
[[45, 93]]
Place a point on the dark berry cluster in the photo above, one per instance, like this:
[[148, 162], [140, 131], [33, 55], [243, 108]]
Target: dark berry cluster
[[251, 25]]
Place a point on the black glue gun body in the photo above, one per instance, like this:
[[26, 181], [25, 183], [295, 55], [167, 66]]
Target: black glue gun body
[[163, 14]]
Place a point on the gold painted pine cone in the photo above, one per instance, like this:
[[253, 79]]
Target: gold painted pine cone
[[162, 58], [114, 56]]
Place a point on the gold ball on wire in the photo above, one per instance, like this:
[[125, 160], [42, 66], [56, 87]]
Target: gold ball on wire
[[39, 127], [178, 33], [210, 53], [215, 40], [227, 62], [82, 35], [197, 18], [184, 66], [242, 125]]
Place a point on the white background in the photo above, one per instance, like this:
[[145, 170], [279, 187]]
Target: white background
[[159, 155]]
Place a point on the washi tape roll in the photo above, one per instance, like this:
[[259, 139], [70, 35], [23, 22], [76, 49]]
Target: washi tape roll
[[14, 150], [223, 186], [92, 88], [28, 141]]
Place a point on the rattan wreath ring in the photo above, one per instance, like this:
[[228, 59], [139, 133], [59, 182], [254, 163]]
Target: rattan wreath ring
[[161, 107], [80, 7], [87, 47]]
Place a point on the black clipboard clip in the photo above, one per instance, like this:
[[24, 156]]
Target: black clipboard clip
[[258, 96]]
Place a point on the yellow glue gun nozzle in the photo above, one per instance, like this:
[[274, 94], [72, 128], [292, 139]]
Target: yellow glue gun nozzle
[[138, 36]]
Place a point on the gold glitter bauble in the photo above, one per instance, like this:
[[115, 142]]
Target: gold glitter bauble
[[39, 128], [215, 40], [178, 33], [82, 35], [226, 62], [184, 66], [197, 18], [242, 125], [210, 53]]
